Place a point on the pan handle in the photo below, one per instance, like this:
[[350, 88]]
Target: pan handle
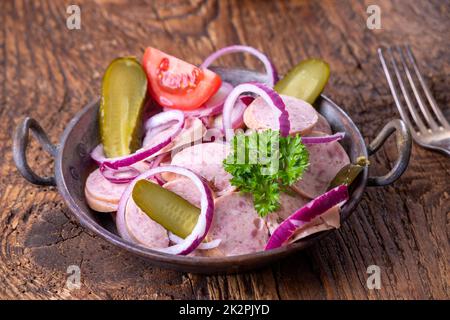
[[404, 142], [20, 145]]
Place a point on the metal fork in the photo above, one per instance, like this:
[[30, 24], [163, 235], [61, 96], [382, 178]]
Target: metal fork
[[428, 131]]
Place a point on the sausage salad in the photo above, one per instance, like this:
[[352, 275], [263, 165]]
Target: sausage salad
[[191, 165]]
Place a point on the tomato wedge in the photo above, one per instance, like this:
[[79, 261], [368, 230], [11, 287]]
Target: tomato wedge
[[177, 84]]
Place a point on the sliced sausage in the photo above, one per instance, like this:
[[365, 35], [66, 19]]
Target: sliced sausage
[[325, 161], [99, 205], [236, 222], [322, 125], [186, 189], [102, 195], [143, 229], [168, 176], [206, 160], [302, 116], [288, 205]]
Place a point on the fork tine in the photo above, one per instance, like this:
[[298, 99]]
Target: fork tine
[[437, 111], [398, 103], [425, 112], [415, 115]]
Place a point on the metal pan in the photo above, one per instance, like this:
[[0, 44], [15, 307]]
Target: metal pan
[[73, 164]]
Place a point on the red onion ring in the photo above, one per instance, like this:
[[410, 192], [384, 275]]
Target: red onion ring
[[164, 119], [155, 163], [200, 230], [128, 174], [125, 175], [237, 116], [272, 76], [214, 105], [323, 139], [269, 95], [305, 214], [206, 121], [158, 180], [202, 246], [154, 122]]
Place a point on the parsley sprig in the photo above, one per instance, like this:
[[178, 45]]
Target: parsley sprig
[[264, 164]]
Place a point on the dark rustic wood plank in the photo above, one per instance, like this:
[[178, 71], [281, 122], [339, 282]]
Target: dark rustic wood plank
[[49, 73]]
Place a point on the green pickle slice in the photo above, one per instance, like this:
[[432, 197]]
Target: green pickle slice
[[124, 89], [305, 81], [165, 207]]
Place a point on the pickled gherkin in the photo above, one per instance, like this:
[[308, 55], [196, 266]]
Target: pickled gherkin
[[305, 81], [349, 173], [124, 89], [168, 209]]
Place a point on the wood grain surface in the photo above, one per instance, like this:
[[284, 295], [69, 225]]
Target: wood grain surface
[[49, 73]]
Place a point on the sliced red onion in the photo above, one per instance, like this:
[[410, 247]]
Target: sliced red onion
[[305, 214], [164, 119], [126, 175], [202, 246], [155, 163], [323, 139], [247, 99], [154, 122], [200, 230], [219, 97], [208, 122], [272, 76], [157, 160], [214, 105], [269, 95], [158, 180], [206, 111], [237, 116]]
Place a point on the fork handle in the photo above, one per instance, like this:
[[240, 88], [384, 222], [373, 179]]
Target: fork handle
[[404, 142]]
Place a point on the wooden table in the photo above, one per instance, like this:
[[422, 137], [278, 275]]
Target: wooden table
[[49, 72]]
